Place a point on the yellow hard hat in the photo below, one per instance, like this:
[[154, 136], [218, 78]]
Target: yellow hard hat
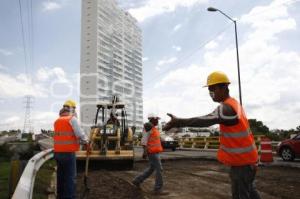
[[70, 103], [217, 77]]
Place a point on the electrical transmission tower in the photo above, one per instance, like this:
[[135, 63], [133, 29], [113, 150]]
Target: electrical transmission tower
[[28, 128]]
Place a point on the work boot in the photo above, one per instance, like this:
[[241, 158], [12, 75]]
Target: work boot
[[160, 192]]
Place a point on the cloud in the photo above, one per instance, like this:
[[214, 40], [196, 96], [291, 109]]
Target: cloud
[[11, 119], [165, 62], [39, 120], [157, 7], [177, 48], [267, 25], [188, 77], [44, 120], [180, 92], [45, 73], [177, 27], [5, 52], [51, 6], [47, 81], [269, 73], [19, 86], [211, 45], [3, 67], [144, 59]]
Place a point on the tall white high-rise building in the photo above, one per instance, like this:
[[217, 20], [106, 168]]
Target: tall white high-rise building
[[111, 60]]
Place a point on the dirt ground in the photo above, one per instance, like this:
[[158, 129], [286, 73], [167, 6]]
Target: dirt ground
[[190, 179]]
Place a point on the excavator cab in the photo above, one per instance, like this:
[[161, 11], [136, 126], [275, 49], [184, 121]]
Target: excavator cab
[[111, 140]]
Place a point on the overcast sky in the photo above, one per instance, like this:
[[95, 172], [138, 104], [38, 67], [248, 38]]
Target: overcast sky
[[182, 44]]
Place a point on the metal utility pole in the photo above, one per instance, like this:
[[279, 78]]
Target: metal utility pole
[[211, 9], [27, 118]]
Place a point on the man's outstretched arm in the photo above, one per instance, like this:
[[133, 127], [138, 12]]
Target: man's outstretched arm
[[223, 114]]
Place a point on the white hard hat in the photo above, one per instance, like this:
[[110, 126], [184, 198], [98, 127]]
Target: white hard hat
[[153, 115]]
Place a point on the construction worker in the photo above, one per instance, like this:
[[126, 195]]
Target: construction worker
[[152, 149], [237, 146], [71, 104], [113, 120], [67, 137]]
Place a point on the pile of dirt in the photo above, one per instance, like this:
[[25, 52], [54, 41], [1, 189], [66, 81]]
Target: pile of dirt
[[105, 184]]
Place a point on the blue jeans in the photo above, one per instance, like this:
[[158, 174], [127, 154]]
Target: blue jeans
[[154, 165], [66, 175], [242, 182]]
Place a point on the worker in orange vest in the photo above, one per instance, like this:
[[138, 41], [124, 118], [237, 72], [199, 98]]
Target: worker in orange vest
[[152, 149], [67, 138], [237, 145]]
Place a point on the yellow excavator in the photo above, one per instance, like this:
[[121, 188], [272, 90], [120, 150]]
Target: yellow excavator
[[111, 140]]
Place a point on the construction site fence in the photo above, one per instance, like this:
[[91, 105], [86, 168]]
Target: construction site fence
[[25, 185], [210, 142]]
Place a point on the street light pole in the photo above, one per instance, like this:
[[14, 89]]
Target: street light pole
[[211, 9], [238, 62]]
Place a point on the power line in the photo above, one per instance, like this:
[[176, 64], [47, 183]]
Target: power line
[[29, 25], [28, 55], [32, 35], [30, 31], [27, 36], [23, 39]]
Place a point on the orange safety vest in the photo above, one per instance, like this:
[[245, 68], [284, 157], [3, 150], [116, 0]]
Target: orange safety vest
[[64, 136], [237, 145], [154, 144]]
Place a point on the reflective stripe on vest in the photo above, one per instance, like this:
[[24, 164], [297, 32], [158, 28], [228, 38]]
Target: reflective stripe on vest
[[238, 150], [236, 134], [237, 145], [154, 144], [60, 142], [64, 133]]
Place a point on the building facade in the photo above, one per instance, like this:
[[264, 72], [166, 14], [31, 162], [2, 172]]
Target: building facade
[[111, 61]]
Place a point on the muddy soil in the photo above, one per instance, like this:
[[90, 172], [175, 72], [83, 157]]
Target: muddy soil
[[191, 179], [106, 184]]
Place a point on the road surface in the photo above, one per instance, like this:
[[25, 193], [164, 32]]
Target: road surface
[[193, 179]]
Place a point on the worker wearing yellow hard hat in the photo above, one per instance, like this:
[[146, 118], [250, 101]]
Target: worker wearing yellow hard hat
[[217, 77], [67, 139], [70, 103], [237, 146]]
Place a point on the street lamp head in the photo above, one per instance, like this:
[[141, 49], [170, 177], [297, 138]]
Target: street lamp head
[[211, 9]]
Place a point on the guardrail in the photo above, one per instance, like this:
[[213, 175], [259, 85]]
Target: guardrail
[[213, 142], [25, 185], [210, 142]]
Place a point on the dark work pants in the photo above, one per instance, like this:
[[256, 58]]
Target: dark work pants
[[66, 175], [242, 182]]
